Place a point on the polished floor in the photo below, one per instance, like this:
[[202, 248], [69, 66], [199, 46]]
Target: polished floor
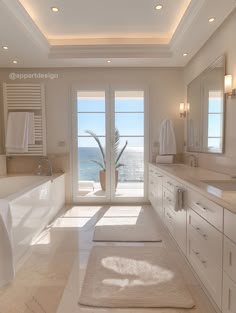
[[51, 278]]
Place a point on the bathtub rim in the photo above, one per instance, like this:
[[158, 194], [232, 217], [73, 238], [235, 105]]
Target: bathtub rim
[[42, 180]]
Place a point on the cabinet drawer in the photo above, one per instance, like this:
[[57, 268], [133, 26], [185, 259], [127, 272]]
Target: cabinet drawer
[[169, 183], [168, 198], [210, 239], [207, 269], [209, 210], [229, 295], [169, 219], [230, 258], [229, 225]]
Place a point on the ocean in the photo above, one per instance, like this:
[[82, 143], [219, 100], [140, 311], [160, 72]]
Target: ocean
[[132, 158]]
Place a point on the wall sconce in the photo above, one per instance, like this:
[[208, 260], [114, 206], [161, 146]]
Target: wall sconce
[[228, 86], [183, 109]]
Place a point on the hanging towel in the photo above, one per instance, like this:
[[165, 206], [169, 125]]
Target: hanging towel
[[20, 131], [179, 199], [31, 133], [7, 271], [167, 138]]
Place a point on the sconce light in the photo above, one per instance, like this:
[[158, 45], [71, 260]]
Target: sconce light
[[228, 86], [183, 109]]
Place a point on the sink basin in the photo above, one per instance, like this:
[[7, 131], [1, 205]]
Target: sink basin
[[224, 185]]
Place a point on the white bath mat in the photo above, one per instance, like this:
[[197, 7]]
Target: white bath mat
[[127, 223], [133, 277]]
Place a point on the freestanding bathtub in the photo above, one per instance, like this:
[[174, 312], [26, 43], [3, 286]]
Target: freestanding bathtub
[[34, 202]]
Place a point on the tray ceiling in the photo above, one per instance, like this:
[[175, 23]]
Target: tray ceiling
[[88, 33]]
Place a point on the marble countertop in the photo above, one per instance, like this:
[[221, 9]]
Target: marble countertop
[[193, 176]]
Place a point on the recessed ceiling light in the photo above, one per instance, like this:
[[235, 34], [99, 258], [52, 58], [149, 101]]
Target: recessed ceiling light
[[15, 61], [158, 7], [108, 61], [212, 19], [55, 9], [185, 54], [5, 48]]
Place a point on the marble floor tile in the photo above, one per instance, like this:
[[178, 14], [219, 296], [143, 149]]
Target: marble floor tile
[[51, 278]]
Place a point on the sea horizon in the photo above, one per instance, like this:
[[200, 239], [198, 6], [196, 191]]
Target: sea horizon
[[132, 158]]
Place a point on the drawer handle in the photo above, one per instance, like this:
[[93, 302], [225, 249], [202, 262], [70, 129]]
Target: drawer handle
[[230, 258], [199, 257], [229, 300], [168, 199], [169, 215], [198, 229], [159, 176], [196, 252], [200, 206]]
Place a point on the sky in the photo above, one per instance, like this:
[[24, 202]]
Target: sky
[[91, 116]]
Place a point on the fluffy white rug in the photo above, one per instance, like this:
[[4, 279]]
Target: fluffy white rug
[[138, 277], [129, 224]]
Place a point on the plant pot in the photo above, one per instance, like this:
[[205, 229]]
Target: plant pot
[[102, 176]]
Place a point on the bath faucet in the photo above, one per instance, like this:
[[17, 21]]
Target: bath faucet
[[193, 160], [41, 167]]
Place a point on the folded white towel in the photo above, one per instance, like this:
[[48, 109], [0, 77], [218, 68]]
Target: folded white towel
[[7, 271], [179, 199], [167, 138], [20, 132], [165, 159]]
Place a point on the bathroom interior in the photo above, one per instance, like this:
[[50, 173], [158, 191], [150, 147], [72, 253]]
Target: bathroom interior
[[118, 156]]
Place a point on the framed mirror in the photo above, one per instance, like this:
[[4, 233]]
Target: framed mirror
[[206, 109]]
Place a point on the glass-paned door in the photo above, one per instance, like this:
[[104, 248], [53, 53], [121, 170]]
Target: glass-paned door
[[128, 160], [109, 138], [91, 144]]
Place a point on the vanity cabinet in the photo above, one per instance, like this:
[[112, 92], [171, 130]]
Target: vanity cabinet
[[229, 295], [174, 220], [162, 197], [204, 231], [229, 263], [155, 190], [206, 208], [204, 252]]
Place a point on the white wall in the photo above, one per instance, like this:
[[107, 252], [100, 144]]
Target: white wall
[[166, 91], [222, 42]]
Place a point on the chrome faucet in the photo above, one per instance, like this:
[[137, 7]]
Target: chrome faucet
[[193, 160], [41, 167]]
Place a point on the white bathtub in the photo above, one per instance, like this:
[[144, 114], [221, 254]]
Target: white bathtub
[[34, 202]]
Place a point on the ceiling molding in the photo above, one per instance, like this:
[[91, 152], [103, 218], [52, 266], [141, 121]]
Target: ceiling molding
[[15, 7], [109, 41], [110, 51], [187, 20]]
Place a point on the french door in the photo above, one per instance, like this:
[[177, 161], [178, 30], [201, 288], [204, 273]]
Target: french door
[[110, 143]]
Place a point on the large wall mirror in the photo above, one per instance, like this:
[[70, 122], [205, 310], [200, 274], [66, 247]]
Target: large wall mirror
[[205, 119]]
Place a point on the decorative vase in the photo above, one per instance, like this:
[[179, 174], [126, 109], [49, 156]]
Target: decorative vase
[[102, 176]]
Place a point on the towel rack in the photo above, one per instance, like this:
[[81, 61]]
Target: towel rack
[[27, 98]]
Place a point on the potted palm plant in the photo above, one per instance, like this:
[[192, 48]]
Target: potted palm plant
[[102, 163]]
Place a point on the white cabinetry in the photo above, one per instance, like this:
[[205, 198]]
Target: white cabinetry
[[205, 232], [155, 189], [209, 210], [229, 295], [229, 276], [175, 221], [204, 252]]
